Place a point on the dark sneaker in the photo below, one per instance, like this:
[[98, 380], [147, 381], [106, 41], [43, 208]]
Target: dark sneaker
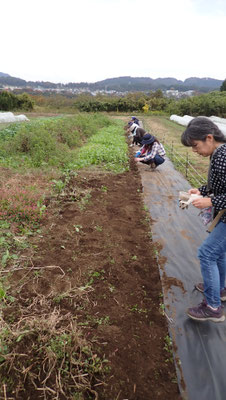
[[153, 165], [204, 313], [200, 287]]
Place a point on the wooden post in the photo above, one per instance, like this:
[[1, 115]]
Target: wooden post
[[186, 165], [172, 151]]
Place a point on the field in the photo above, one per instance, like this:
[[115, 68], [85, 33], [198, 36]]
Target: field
[[82, 314]]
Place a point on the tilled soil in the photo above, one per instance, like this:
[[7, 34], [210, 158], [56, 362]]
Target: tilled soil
[[99, 234]]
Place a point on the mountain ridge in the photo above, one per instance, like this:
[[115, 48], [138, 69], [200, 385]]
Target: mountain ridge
[[121, 84], [2, 74]]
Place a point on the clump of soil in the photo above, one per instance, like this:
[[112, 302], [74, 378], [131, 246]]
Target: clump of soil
[[97, 238]]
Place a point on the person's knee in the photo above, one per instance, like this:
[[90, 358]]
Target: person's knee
[[201, 252], [158, 160], [161, 161], [205, 252]]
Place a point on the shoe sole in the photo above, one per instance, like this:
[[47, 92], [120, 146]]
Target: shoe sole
[[202, 291], [213, 319]]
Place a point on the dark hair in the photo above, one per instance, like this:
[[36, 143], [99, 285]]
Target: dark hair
[[151, 145], [198, 129], [156, 140]]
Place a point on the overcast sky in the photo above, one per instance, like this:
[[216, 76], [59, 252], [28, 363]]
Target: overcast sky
[[91, 40]]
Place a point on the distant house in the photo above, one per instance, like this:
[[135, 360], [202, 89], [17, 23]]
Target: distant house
[[172, 93], [176, 94]]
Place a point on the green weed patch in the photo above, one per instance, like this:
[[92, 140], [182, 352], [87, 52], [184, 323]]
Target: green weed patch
[[47, 142], [107, 148]]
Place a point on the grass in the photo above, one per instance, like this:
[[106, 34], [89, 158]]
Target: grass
[[4, 125]]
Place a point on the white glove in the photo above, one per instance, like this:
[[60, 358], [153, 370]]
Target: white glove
[[185, 199]]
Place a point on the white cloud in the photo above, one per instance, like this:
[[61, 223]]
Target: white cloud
[[88, 40], [209, 7]]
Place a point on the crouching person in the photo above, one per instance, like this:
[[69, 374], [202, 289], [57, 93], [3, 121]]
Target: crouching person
[[138, 137], [135, 133], [152, 151]]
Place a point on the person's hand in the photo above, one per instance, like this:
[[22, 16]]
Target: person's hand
[[138, 159], [203, 202], [194, 191]]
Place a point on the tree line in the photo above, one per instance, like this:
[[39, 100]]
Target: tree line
[[13, 102], [213, 103]]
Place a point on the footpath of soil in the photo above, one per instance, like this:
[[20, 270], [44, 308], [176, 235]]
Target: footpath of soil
[[105, 237]]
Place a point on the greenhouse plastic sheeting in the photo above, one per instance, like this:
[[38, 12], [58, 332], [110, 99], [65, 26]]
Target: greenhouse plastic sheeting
[[6, 117], [181, 120], [220, 122], [199, 347]]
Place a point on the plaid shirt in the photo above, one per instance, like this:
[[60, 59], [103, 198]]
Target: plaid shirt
[[217, 181], [151, 152]]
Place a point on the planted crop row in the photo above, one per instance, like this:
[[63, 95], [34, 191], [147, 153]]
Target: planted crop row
[[107, 148]]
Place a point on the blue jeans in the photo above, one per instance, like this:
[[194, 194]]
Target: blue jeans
[[157, 160], [212, 256]]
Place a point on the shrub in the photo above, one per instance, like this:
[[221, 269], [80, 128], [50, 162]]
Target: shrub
[[213, 103], [10, 101], [223, 86]]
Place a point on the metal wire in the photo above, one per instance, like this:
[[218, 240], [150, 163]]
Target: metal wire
[[184, 163]]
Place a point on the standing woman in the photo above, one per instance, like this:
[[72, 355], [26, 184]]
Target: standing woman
[[206, 139], [152, 152]]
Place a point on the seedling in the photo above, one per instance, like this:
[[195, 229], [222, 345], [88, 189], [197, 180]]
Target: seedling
[[150, 235], [38, 273], [98, 228], [7, 256], [77, 228], [111, 288], [104, 189], [168, 348], [156, 252], [58, 186], [84, 201], [4, 297], [162, 308], [136, 308]]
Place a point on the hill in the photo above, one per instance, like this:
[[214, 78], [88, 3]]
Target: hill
[[2, 74], [121, 84]]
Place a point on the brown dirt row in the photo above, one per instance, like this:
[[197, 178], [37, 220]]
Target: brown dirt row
[[98, 234]]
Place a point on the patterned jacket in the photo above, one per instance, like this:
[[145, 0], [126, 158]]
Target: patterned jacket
[[150, 152], [218, 181]]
